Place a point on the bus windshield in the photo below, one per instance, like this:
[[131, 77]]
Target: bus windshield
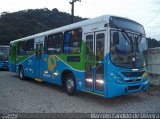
[[126, 24], [130, 51], [4, 50]]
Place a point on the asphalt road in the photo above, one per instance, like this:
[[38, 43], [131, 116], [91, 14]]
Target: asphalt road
[[17, 96]]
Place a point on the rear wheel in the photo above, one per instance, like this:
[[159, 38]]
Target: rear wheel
[[21, 73], [70, 84]]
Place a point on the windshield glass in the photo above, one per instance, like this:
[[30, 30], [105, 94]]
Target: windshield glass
[[126, 24], [130, 51], [4, 50]]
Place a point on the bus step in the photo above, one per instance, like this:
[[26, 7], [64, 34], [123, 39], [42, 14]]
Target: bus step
[[91, 92], [38, 79]]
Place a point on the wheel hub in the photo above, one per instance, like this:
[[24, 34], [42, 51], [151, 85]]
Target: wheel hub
[[70, 85]]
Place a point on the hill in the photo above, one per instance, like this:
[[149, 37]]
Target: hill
[[28, 22]]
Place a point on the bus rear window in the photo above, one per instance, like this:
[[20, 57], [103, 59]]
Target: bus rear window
[[21, 48], [30, 47]]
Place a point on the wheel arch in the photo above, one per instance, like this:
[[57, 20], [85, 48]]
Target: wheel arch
[[20, 69], [20, 66], [65, 73]]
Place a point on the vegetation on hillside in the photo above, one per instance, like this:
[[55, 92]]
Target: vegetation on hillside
[[28, 22]]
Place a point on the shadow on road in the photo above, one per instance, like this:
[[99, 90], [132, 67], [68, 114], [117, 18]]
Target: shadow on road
[[3, 69]]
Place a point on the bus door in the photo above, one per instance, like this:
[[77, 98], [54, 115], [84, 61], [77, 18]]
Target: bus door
[[39, 43], [94, 80]]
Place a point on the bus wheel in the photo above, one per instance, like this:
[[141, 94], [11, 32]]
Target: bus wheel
[[21, 73], [70, 84]]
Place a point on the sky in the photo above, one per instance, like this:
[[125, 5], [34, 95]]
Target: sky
[[146, 12]]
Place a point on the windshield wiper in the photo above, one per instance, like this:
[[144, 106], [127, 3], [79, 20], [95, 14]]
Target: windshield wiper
[[139, 38], [133, 42], [128, 39], [125, 34]]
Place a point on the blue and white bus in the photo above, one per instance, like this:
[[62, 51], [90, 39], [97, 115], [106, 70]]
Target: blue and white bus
[[4, 53], [106, 56]]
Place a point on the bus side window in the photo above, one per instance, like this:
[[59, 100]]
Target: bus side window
[[54, 43], [67, 38], [45, 44], [72, 41], [30, 47], [21, 48]]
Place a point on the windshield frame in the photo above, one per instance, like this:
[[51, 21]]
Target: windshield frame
[[121, 30]]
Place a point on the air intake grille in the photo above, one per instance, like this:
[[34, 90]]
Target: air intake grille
[[133, 74], [133, 87]]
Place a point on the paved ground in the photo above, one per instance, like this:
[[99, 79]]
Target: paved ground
[[34, 97]]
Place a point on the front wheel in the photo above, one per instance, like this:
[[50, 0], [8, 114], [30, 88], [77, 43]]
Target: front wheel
[[21, 73], [70, 84]]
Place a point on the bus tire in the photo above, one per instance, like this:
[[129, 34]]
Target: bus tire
[[70, 85], [21, 73]]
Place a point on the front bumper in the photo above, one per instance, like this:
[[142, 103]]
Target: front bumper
[[122, 89]]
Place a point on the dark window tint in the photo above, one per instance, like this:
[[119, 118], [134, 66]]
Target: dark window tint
[[45, 44], [21, 49], [54, 43], [30, 47], [72, 41]]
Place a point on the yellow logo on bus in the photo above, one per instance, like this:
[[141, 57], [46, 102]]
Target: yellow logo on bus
[[51, 62]]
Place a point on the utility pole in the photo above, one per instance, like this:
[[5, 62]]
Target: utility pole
[[72, 9]]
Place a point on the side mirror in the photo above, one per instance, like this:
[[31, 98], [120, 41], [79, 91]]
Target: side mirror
[[116, 38]]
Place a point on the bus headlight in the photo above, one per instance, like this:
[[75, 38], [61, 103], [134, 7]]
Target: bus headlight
[[119, 80], [116, 78]]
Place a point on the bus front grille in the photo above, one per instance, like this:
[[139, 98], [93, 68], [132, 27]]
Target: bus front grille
[[133, 74], [133, 87], [133, 81]]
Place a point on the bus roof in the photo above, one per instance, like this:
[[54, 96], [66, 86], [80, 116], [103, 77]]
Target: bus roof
[[104, 18]]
